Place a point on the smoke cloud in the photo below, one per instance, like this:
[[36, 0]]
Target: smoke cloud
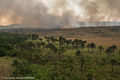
[[101, 10], [53, 13]]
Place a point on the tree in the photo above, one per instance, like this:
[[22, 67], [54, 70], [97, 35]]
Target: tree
[[35, 36], [88, 46], [40, 39], [108, 50], [113, 62], [43, 44], [111, 49], [82, 43], [15, 63], [100, 49], [76, 43], [82, 61], [62, 49], [39, 44], [51, 46], [114, 47], [48, 40], [61, 40], [68, 42], [78, 53], [30, 45], [90, 74], [92, 45]]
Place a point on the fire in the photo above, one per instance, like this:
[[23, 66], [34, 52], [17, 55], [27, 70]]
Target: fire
[[66, 27]]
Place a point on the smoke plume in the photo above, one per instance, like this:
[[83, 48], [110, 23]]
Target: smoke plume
[[53, 13]]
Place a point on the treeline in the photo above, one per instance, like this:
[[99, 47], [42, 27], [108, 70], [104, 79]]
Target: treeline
[[51, 58]]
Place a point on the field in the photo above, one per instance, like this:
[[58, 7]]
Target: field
[[105, 36], [68, 54], [5, 66], [104, 41]]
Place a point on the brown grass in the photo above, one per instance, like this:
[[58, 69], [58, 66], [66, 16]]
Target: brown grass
[[5, 66], [102, 41]]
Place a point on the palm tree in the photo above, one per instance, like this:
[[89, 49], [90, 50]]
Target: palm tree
[[39, 44], [88, 46], [82, 61], [113, 62], [114, 47], [62, 49], [52, 39], [78, 53], [40, 39], [31, 45], [15, 63], [108, 50], [52, 47], [76, 43], [83, 44], [100, 49], [92, 45], [68, 42], [48, 40], [35, 36], [61, 40], [43, 44], [111, 49]]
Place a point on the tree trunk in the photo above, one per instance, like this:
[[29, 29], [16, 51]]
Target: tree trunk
[[88, 50], [100, 51], [82, 67], [112, 69], [92, 50]]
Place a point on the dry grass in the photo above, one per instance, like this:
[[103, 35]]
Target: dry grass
[[5, 66], [104, 41]]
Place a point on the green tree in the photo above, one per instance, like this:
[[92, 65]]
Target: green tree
[[75, 43], [88, 46], [40, 39], [82, 61], [30, 45], [114, 47], [101, 48], [68, 42], [92, 45], [51, 46], [108, 50], [113, 62], [83, 43], [78, 53]]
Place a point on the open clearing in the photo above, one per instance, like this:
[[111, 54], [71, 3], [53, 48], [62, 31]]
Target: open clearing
[[5, 66]]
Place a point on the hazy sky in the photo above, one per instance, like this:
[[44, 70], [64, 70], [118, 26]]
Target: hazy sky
[[51, 13]]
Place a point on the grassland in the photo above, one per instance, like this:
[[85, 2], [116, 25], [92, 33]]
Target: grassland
[[6, 66], [100, 35], [61, 58]]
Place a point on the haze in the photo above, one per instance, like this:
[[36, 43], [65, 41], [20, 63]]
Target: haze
[[53, 13]]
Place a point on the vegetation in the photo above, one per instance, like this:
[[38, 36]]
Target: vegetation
[[59, 58]]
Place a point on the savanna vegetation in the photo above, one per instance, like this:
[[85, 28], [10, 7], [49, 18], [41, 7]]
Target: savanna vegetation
[[59, 58]]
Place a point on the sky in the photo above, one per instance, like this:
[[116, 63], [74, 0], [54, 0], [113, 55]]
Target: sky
[[53, 13]]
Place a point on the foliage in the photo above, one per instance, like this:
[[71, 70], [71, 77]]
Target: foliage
[[53, 58]]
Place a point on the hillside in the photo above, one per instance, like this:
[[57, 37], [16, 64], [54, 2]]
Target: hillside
[[99, 35], [83, 32]]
